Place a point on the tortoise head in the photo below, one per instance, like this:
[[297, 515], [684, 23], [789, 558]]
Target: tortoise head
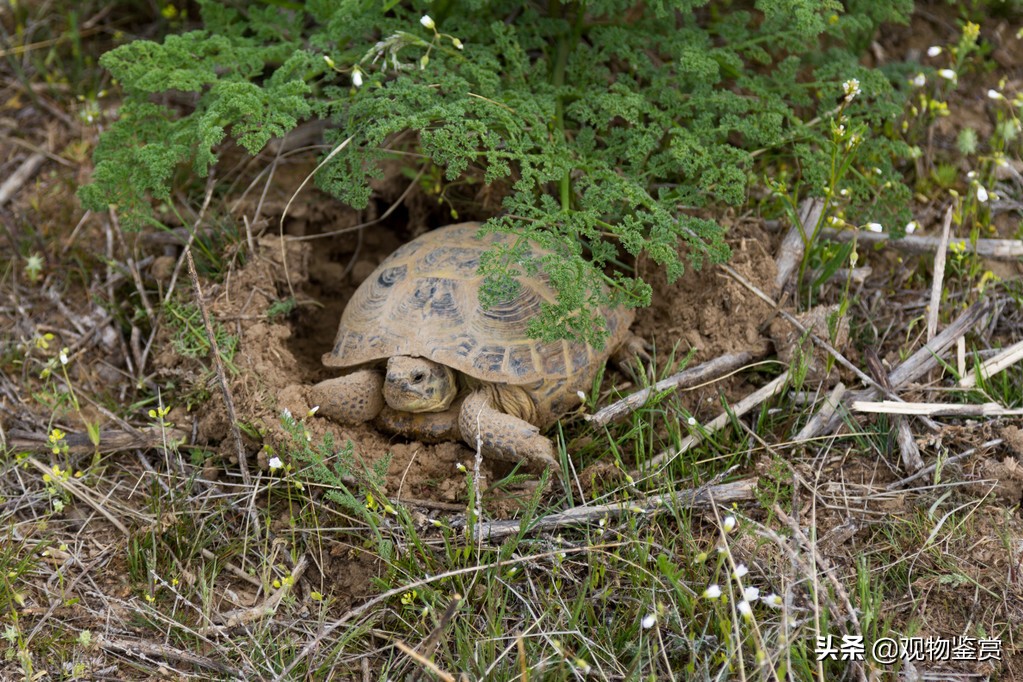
[[419, 385]]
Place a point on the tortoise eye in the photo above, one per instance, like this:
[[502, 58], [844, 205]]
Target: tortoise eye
[[418, 376]]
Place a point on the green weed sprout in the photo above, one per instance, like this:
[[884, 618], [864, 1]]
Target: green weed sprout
[[605, 131]]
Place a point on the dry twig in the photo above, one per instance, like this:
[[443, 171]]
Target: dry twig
[[723, 493], [995, 249], [790, 253], [934, 409], [715, 369], [238, 617], [994, 365], [908, 449], [148, 438], [20, 176], [939, 276], [148, 651], [740, 408]]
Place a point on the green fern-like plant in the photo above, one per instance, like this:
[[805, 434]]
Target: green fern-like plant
[[612, 127]]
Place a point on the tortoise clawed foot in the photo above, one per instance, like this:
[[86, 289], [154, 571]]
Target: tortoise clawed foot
[[502, 436]]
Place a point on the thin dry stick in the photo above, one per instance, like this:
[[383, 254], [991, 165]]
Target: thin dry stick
[[823, 415], [429, 645], [148, 651], [20, 176], [210, 185], [943, 463], [790, 253], [712, 370], [994, 365], [238, 617], [423, 661], [109, 441], [218, 363], [939, 276], [934, 409], [719, 422], [287, 207], [81, 493], [908, 449], [922, 361], [822, 561], [925, 359], [695, 498], [841, 359], [995, 249]]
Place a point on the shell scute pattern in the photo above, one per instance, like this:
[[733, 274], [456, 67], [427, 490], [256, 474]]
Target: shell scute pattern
[[423, 301]]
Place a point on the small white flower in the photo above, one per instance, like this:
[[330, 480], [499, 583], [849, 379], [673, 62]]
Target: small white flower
[[971, 175], [461, 467], [772, 600], [457, 43], [357, 77], [745, 609], [933, 51], [982, 195], [994, 94], [712, 592], [426, 21], [875, 227], [751, 593], [330, 62], [286, 414], [729, 524], [919, 80], [911, 226], [582, 395], [63, 356], [276, 463], [312, 410], [851, 88], [649, 621], [948, 74], [691, 421], [740, 571]]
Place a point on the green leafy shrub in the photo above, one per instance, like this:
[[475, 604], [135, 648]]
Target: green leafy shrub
[[607, 126]]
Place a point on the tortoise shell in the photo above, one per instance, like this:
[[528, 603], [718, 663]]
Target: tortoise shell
[[423, 301]]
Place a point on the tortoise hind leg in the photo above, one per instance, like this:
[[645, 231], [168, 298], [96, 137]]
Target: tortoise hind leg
[[502, 436]]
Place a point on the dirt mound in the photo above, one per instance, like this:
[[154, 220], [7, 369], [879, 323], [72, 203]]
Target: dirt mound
[[706, 310], [279, 346]]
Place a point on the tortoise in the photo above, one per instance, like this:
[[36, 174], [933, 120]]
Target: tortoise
[[427, 361]]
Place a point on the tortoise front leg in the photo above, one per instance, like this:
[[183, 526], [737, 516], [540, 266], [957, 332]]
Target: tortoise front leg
[[427, 427], [351, 399], [502, 436]]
